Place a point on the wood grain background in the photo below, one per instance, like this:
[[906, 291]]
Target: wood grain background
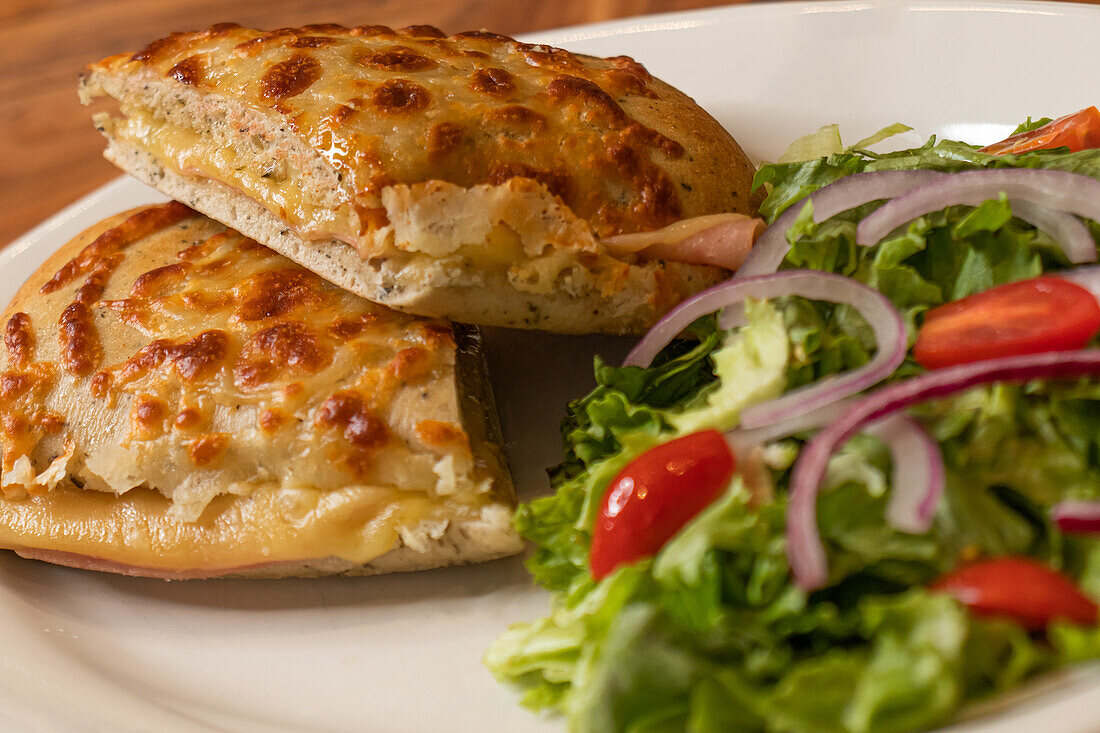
[[49, 153]]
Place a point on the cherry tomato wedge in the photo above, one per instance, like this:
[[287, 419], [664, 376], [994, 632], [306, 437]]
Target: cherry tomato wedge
[[1078, 131], [1020, 589], [1026, 317], [655, 495]]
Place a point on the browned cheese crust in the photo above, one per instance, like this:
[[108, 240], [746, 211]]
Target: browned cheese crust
[[180, 401], [402, 163]]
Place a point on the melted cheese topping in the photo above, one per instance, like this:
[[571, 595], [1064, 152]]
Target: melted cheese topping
[[212, 382], [383, 107]]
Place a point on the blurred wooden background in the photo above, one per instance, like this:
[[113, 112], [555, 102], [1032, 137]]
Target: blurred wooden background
[[49, 153]]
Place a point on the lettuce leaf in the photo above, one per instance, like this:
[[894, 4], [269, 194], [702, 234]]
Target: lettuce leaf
[[710, 636], [792, 181], [751, 367], [825, 141], [1029, 124], [632, 409]]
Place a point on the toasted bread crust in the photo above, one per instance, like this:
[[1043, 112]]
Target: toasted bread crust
[[355, 130], [179, 400], [625, 151]]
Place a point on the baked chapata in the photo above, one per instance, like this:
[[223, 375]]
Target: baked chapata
[[177, 401], [472, 177]]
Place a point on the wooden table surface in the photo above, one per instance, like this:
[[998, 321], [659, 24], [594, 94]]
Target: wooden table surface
[[49, 153]]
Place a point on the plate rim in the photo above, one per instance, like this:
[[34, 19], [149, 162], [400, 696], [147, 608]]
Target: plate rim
[[677, 19], [54, 225]]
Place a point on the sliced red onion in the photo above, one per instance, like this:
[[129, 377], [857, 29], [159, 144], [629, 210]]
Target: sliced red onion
[[1086, 277], [742, 440], [1077, 517], [890, 340], [847, 193], [1067, 230], [917, 474], [876, 309], [804, 549], [719, 297], [1058, 190]]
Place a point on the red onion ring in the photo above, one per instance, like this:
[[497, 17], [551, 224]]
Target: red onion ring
[[1077, 517], [1058, 190], [1067, 230], [890, 337], [876, 309], [828, 201], [741, 440], [804, 549], [917, 474], [1086, 277]]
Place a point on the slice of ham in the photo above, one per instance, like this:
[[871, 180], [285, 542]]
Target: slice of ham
[[721, 240]]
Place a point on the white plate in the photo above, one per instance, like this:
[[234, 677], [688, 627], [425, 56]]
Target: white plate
[[84, 651]]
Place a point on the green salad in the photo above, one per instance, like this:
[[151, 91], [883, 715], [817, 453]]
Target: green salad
[[712, 631]]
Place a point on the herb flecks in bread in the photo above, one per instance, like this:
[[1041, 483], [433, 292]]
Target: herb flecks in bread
[[320, 141]]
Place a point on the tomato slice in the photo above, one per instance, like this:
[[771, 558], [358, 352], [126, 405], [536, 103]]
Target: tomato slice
[[1078, 131], [1026, 317], [1020, 589], [655, 495]]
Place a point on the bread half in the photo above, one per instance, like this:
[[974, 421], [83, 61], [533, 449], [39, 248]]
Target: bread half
[[471, 177], [179, 401]]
